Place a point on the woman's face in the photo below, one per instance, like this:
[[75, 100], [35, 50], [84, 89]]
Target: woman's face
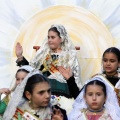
[[54, 41], [110, 63], [95, 97], [20, 76], [40, 96]]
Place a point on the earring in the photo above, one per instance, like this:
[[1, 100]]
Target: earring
[[29, 101]]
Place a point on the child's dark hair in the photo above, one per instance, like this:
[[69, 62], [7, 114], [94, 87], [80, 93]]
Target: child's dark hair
[[32, 81], [96, 82], [21, 70], [113, 50], [54, 29]]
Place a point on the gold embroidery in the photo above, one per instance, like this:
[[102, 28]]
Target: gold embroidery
[[50, 64]]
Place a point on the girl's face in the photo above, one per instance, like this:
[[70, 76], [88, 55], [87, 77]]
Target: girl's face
[[54, 41], [95, 97], [20, 76], [110, 63], [40, 96]]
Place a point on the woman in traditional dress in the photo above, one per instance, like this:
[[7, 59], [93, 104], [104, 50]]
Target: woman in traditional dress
[[57, 50]]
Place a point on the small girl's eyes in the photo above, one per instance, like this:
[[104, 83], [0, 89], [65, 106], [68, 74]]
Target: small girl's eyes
[[17, 79], [112, 60], [90, 94], [99, 94], [52, 37], [108, 60], [104, 60]]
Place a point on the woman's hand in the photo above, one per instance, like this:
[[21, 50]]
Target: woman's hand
[[66, 72], [4, 91], [18, 50], [57, 115]]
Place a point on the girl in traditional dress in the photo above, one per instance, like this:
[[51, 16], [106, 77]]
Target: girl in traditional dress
[[57, 50], [36, 91], [96, 101], [20, 75], [110, 65]]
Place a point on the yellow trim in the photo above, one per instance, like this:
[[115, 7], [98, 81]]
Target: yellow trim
[[107, 80], [83, 111], [28, 112], [48, 67], [32, 115]]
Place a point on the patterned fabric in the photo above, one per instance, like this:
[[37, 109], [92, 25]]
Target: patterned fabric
[[104, 116], [67, 58], [26, 111], [50, 63], [93, 117]]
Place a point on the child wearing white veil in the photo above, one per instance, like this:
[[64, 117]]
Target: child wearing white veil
[[19, 76], [35, 89], [109, 110], [57, 50]]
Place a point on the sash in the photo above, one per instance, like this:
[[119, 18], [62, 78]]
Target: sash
[[21, 115], [83, 115], [50, 64]]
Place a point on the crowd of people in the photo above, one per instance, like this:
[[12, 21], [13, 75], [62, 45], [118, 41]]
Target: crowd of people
[[49, 87]]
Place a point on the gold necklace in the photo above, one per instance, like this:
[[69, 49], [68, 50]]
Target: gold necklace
[[94, 112]]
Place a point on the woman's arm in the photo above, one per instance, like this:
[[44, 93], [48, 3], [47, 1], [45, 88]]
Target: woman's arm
[[22, 61], [68, 75], [19, 51], [74, 90]]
